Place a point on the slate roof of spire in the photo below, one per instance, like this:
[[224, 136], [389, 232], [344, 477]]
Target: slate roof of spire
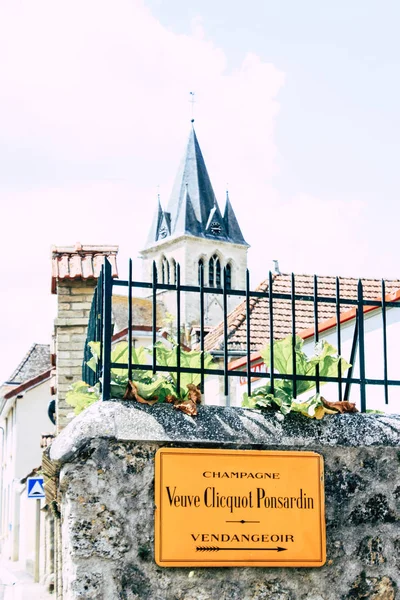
[[231, 223], [193, 208]]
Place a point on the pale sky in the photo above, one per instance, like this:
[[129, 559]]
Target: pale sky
[[297, 112]]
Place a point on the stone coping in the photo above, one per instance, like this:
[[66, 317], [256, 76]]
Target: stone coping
[[220, 426]]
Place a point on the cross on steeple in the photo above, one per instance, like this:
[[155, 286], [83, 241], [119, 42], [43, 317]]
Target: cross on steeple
[[192, 102]]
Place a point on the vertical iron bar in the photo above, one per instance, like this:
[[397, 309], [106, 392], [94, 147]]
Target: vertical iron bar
[[385, 368], [97, 333], [225, 308], [202, 327], [294, 337], [248, 355], [316, 332], [178, 329], [154, 316], [352, 359], [107, 318], [363, 403], [101, 320], [271, 334], [339, 339], [130, 321]]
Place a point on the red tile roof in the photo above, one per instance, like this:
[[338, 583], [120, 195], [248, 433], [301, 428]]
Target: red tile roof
[[80, 262], [259, 309]]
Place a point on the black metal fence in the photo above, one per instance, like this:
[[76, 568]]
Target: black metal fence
[[100, 330]]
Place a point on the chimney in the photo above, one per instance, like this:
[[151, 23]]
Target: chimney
[[275, 269], [75, 270]]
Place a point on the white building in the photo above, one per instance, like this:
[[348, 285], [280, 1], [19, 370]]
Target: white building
[[376, 396], [24, 401]]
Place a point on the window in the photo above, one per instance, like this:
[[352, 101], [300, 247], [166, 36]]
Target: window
[[217, 272], [165, 270], [228, 276], [214, 272], [173, 270], [200, 269], [211, 272]]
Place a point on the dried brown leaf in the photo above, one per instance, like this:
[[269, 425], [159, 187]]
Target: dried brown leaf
[[132, 393], [172, 399], [341, 407], [194, 393], [189, 408], [321, 411]]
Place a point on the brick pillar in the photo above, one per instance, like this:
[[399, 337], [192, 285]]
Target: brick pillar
[[75, 271], [74, 302]]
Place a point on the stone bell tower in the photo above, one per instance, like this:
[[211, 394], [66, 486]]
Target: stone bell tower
[[191, 231]]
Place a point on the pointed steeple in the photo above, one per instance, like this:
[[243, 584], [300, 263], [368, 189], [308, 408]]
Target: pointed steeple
[[193, 208], [186, 221], [161, 226], [231, 224], [192, 174], [155, 226]]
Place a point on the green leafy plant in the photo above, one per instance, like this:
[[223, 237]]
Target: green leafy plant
[[145, 387], [119, 377], [167, 357], [82, 395], [281, 398]]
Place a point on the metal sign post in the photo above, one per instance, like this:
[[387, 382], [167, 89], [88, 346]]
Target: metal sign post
[[35, 488]]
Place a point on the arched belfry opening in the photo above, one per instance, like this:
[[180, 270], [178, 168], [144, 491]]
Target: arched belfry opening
[[173, 271], [200, 270], [228, 276], [214, 271], [165, 270]]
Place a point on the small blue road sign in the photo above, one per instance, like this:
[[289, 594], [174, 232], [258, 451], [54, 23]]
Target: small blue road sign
[[35, 487]]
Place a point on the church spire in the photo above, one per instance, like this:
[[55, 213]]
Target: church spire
[[231, 223], [193, 208], [156, 224]]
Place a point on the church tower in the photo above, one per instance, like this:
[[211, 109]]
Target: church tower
[[191, 231]]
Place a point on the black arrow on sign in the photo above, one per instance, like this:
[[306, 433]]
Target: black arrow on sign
[[242, 521], [217, 549]]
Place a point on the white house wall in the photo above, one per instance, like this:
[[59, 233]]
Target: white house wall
[[374, 367], [32, 421], [27, 538], [22, 454]]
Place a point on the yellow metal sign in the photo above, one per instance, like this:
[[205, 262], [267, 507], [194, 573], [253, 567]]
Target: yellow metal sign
[[226, 508]]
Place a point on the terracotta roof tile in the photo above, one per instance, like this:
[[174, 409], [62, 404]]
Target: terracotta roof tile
[[142, 311], [80, 262], [87, 267], [304, 285]]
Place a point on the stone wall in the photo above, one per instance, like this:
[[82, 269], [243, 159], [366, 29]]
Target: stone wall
[[105, 462], [73, 308]]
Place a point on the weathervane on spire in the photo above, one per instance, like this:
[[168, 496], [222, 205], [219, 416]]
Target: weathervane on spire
[[192, 101]]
